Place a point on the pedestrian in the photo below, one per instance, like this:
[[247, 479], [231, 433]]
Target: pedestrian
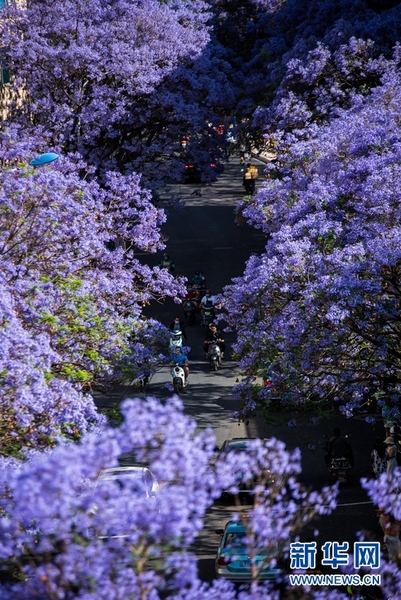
[[249, 178], [378, 455], [391, 529], [395, 432], [391, 455], [387, 417]]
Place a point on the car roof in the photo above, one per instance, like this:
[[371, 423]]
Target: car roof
[[240, 442], [244, 439], [116, 471], [234, 527]]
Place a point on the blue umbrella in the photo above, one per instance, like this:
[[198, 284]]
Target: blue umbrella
[[43, 159]]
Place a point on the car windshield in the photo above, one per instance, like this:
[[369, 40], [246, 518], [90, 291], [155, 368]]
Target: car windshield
[[235, 540], [138, 481], [235, 543], [239, 446]]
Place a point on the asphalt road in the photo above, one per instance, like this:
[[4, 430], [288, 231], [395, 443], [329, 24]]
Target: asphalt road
[[204, 236]]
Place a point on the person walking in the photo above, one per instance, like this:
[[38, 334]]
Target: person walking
[[249, 179], [391, 529], [378, 455], [339, 447], [391, 455]]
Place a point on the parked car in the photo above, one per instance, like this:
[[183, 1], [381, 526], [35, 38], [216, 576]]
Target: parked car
[[193, 173], [138, 479], [118, 489], [233, 561], [245, 486]]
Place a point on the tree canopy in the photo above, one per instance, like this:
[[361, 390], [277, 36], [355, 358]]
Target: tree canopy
[[127, 92]]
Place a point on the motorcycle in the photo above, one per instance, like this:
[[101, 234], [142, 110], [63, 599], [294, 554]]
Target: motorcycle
[[176, 340], [179, 381], [198, 284], [189, 308], [214, 355], [340, 469], [208, 314]]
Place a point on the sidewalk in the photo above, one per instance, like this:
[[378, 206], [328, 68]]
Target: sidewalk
[[264, 156]]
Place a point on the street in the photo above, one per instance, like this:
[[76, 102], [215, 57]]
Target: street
[[204, 236]]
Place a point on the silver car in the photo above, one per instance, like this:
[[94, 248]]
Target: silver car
[[137, 486], [140, 479]]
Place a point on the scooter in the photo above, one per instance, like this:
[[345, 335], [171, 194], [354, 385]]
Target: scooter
[[179, 381], [208, 314], [176, 340], [340, 469], [190, 308], [214, 355]]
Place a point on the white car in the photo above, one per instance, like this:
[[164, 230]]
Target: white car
[[118, 491], [138, 479]]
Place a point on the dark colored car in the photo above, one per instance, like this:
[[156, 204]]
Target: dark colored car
[[193, 173], [245, 486]]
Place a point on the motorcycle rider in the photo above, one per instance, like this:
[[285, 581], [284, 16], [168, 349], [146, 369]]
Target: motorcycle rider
[[207, 308], [176, 325], [338, 447], [214, 335], [192, 295], [179, 358], [166, 263], [208, 301], [198, 279]]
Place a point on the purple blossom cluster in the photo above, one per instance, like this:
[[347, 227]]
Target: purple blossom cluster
[[127, 93], [77, 537], [322, 304], [71, 308], [140, 79]]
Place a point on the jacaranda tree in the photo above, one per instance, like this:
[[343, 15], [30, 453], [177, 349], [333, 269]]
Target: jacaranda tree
[[74, 304], [319, 310], [83, 537], [123, 83]]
